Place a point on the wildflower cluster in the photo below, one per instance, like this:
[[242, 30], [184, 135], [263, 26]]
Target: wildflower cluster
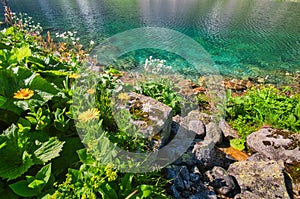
[[156, 66], [110, 172]]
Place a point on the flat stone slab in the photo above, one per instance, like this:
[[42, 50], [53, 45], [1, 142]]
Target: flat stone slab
[[265, 179], [275, 144]]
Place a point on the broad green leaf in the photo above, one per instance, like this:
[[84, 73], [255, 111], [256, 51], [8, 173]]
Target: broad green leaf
[[107, 192], [9, 31], [2, 100], [85, 157], [111, 192], [37, 184], [125, 185], [21, 53], [14, 166], [147, 190], [21, 188], [49, 150], [67, 156], [237, 144], [44, 174], [8, 83], [15, 160]]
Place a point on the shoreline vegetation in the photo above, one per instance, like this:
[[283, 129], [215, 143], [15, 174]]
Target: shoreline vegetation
[[41, 153]]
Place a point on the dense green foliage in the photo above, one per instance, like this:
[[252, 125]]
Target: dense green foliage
[[263, 105], [163, 92], [39, 144]]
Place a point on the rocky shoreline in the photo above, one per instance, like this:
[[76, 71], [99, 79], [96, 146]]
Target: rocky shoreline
[[211, 169], [206, 170]]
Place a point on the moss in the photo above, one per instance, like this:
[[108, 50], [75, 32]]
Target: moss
[[294, 170]]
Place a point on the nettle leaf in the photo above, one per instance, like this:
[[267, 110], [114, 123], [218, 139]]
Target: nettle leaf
[[15, 159], [49, 150], [14, 165]]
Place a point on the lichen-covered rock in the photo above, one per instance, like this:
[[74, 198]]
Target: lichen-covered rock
[[275, 144], [194, 123], [247, 195], [228, 132], [206, 156], [220, 180], [213, 133], [264, 179], [150, 116]]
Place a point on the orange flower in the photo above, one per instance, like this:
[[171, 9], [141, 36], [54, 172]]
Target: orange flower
[[24, 94], [88, 115]]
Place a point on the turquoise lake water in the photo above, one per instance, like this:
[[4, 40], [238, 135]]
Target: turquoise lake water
[[245, 38]]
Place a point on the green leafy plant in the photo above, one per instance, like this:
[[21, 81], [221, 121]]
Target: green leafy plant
[[34, 185], [38, 136], [163, 92], [94, 180], [263, 105]]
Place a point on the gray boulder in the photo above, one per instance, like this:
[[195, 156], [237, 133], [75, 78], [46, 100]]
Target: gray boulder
[[220, 180], [275, 144], [228, 132], [264, 179], [206, 156], [213, 133], [156, 117], [247, 195]]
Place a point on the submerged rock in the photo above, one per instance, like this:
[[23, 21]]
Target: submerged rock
[[275, 144], [238, 85], [264, 179]]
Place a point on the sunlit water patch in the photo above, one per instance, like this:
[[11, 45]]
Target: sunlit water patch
[[244, 37]]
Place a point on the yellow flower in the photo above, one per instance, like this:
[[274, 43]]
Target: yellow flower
[[90, 114], [123, 96], [110, 173], [24, 94], [91, 91], [74, 76]]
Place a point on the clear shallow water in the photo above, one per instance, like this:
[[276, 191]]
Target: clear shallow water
[[244, 37]]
